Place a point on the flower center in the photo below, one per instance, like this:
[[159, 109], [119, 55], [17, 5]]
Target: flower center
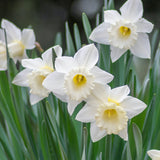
[[78, 84], [124, 31], [79, 80], [110, 114], [111, 118]]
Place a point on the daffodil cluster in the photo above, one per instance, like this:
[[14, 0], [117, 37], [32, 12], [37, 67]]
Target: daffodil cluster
[[77, 79]]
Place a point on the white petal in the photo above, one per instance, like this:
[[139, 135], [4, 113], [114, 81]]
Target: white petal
[[87, 56], [32, 63], [124, 134], [13, 32], [28, 38], [3, 57], [86, 114], [100, 94], [120, 93], [20, 58], [100, 34], [3, 64], [116, 53], [71, 106], [35, 99], [21, 78], [154, 154], [132, 10], [142, 47], [62, 96], [101, 76], [58, 50], [2, 37], [55, 83], [96, 132], [132, 106], [111, 16], [144, 26], [64, 64], [47, 57]]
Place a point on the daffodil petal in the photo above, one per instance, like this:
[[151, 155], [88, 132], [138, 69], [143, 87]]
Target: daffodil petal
[[116, 53], [132, 106], [28, 38], [96, 133], [87, 56], [64, 64], [87, 114], [58, 50], [142, 47], [101, 76], [119, 94], [111, 16], [132, 10], [32, 63], [35, 98], [71, 106], [21, 78], [3, 63], [47, 57], [144, 26], [2, 37], [100, 34], [154, 154], [13, 32], [99, 94], [55, 83], [124, 134], [20, 58]]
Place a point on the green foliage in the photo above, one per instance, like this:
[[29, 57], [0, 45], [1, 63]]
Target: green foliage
[[46, 131]]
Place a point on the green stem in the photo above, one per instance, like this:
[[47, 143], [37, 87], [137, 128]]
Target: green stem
[[109, 147]]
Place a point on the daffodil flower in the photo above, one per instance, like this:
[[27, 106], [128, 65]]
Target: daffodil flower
[[109, 110], [75, 77], [17, 41], [154, 154], [125, 31], [35, 73]]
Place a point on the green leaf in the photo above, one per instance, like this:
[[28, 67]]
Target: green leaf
[[86, 26], [138, 140], [77, 37], [69, 41]]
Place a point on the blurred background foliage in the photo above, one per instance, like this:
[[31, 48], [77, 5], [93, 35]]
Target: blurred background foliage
[[47, 17]]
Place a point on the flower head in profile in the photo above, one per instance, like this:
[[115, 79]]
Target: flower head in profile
[[18, 41], [125, 31], [75, 77], [109, 110], [35, 73], [154, 154]]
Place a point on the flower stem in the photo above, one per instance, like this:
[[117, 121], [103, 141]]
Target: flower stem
[[109, 147]]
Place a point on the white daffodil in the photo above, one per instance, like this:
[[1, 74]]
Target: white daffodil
[[154, 154], [108, 110], [35, 73], [75, 78], [125, 31], [17, 41]]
